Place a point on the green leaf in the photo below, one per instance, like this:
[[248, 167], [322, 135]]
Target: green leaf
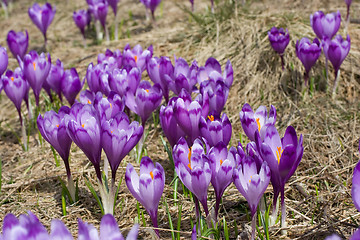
[[170, 219], [93, 192]]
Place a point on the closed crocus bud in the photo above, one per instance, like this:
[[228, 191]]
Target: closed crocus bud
[[108, 107], [148, 187], [113, 4], [55, 77], [81, 20], [18, 43], [222, 164], [112, 59], [355, 189], [15, 87], [93, 76], [136, 57], [125, 81], [217, 92], [215, 129], [71, 85], [325, 25], [36, 70], [151, 5], [3, 60], [99, 10], [83, 127], [254, 122], [193, 169], [145, 101], [279, 39], [336, 50], [308, 53], [59, 230], [42, 16]]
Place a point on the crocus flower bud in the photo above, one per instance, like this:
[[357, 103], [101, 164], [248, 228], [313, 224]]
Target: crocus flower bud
[[125, 81], [99, 10], [355, 189], [93, 76], [3, 60], [42, 16], [71, 85], [81, 19], [325, 25], [113, 4], [336, 50], [148, 187], [279, 39], [55, 77], [136, 57], [36, 70], [112, 59], [217, 92], [215, 129], [18, 43], [108, 107], [256, 122]]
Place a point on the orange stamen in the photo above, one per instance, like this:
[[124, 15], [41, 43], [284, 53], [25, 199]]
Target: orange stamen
[[110, 105], [12, 78], [278, 154], [89, 102], [83, 125], [189, 165], [147, 90], [189, 157], [221, 161], [34, 64], [250, 179], [136, 58], [152, 175], [211, 118], [258, 123], [57, 125]]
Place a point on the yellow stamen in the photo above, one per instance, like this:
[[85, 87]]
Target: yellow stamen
[[111, 131], [189, 157], [211, 118], [136, 58], [34, 64], [278, 154], [83, 125], [110, 105], [147, 90], [258, 123], [152, 175], [89, 102], [189, 165], [12, 78], [221, 161], [57, 125], [250, 179]]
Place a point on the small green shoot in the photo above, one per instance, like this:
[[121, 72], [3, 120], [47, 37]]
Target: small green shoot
[[170, 219], [179, 221], [63, 202], [226, 229]]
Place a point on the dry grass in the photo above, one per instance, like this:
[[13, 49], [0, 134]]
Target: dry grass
[[318, 196]]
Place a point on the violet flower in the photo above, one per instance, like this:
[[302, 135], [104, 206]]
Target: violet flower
[[252, 184], [55, 78], [283, 157], [355, 189], [184, 76], [124, 81], [71, 85], [52, 128], [148, 187], [325, 25], [99, 9], [18, 43], [112, 59], [36, 70], [212, 66], [113, 4], [136, 57], [192, 9], [217, 92], [151, 5], [3, 60], [42, 16], [108, 107], [255, 122], [308, 53], [87, 97], [348, 3], [81, 20], [215, 129], [94, 77], [222, 164], [279, 39]]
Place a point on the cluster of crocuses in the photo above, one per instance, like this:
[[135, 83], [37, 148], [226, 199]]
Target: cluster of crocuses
[[28, 226]]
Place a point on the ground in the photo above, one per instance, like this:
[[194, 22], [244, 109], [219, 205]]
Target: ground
[[318, 196]]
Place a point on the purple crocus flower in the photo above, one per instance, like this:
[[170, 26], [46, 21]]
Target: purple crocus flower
[[252, 184], [113, 4], [222, 164], [145, 101], [42, 16], [308, 53], [279, 39], [193, 170], [184, 76], [125, 81], [81, 19], [83, 127], [55, 77], [215, 129], [355, 236], [283, 156], [254, 122], [325, 25], [348, 3], [148, 187], [151, 5], [94, 77], [112, 59], [212, 66], [136, 57], [15, 87], [192, 9], [355, 189], [71, 85], [99, 9], [87, 97], [36, 70], [217, 92], [3, 60], [108, 107], [18, 43]]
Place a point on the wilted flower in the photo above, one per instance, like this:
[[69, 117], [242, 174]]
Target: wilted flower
[[279, 39], [325, 25], [3, 60], [136, 57], [71, 85], [215, 129], [147, 188], [18, 43]]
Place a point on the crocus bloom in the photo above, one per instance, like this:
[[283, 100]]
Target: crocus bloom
[[279, 39], [215, 129], [119, 137], [113, 4], [145, 101], [42, 16], [15, 87], [99, 9], [254, 122], [283, 157], [217, 92], [252, 184], [348, 3], [36, 70], [108, 107], [325, 25], [212, 66], [124, 81], [147, 188], [183, 76], [3, 60], [151, 5], [87, 97], [193, 170], [136, 57], [55, 77], [308, 53], [18, 43], [81, 19], [355, 189], [71, 85], [112, 59], [94, 77], [222, 164]]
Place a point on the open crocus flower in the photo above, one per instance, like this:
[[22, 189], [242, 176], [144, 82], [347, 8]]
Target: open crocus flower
[[125, 81], [148, 187], [308, 52], [325, 25], [55, 77], [184, 76], [36, 70], [254, 122], [355, 189], [42, 16], [87, 97], [279, 39], [193, 170], [283, 156], [18, 43], [52, 128], [4, 59], [112, 59], [81, 19], [252, 184], [136, 57], [222, 164], [71, 85], [215, 129], [145, 101], [212, 65], [108, 107]]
